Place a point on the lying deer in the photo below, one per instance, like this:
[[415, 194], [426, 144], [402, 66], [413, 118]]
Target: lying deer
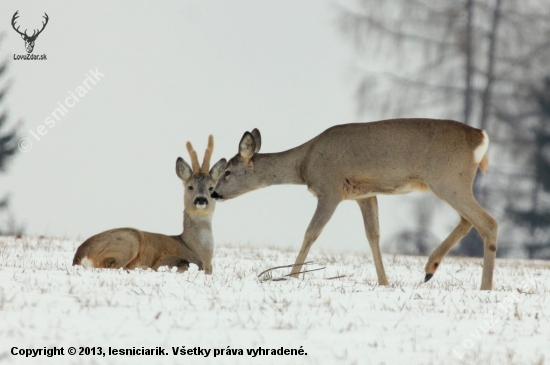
[[360, 161], [130, 248]]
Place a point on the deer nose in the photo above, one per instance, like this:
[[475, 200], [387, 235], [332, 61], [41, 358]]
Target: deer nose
[[215, 195], [201, 201]]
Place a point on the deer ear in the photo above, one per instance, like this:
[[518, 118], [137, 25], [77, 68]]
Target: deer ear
[[183, 170], [257, 138], [23, 36], [217, 170], [247, 146]]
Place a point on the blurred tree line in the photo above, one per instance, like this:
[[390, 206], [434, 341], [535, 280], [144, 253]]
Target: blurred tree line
[[485, 63], [532, 209], [8, 148]]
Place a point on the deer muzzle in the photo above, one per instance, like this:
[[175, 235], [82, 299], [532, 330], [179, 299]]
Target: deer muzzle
[[201, 202]]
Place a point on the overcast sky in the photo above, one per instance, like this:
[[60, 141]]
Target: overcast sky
[[176, 72]]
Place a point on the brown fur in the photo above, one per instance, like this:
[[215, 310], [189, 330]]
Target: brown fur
[[419, 186], [358, 161], [484, 163], [130, 248], [356, 188]]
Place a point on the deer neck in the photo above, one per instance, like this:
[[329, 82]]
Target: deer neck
[[280, 168], [197, 232]]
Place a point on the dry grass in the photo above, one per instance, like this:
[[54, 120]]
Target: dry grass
[[44, 301]]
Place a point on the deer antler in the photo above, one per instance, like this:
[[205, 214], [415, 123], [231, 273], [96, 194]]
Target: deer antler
[[15, 16], [194, 158], [43, 26], [34, 34], [208, 155]]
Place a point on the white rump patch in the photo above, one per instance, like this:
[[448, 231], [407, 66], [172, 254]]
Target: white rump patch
[[480, 151], [86, 262]]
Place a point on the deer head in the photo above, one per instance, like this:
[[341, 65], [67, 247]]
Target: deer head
[[240, 175], [199, 180], [29, 40]]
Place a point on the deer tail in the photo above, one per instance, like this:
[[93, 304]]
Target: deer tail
[[484, 163]]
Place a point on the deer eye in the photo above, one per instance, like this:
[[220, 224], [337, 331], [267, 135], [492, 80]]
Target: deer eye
[[190, 188], [227, 173], [211, 188]]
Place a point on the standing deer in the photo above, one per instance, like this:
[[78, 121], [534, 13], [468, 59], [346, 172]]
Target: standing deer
[[130, 248], [360, 161]]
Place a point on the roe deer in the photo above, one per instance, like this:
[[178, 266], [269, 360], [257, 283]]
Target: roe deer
[[130, 248], [359, 161]]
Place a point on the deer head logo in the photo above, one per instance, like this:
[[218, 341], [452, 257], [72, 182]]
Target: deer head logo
[[29, 40]]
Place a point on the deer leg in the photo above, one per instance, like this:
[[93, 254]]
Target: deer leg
[[207, 261], [208, 266], [115, 256], [464, 202], [325, 208], [439, 253], [369, 209], [167, 259]]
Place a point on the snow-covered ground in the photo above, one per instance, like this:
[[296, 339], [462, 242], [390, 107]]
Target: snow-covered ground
[[46, 302]]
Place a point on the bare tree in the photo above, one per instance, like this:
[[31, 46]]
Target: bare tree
[[8, 148], [530, 206], [469, 60]]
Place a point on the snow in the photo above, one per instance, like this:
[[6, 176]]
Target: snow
[[46, 302]]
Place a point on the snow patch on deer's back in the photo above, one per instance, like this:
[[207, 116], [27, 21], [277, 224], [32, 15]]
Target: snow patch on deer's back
[[86, 262], [480, 151]]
